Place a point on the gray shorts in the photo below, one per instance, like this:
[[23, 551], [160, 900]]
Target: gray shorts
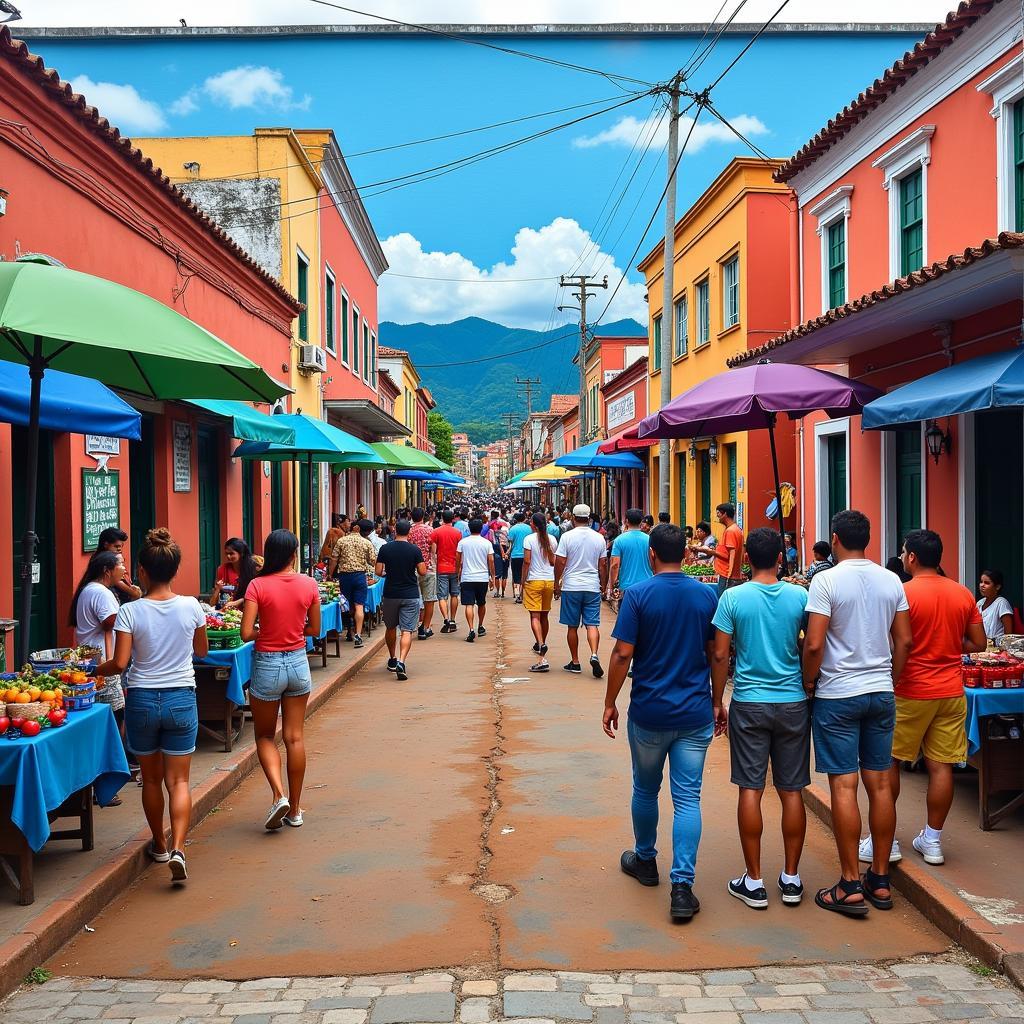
[[447, 585], [780, 733], [401, 613], [428, 588]]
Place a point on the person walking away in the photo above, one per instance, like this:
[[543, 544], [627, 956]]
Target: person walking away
[[502, 552], [664, 629], [159, 634], [664, 518], [353, 558], [474, 562], [92, 614], [581, 574], [769, 717], [460, 523], [401, 564], [857, 641], [631, 558], [443, 544], [340, 526], [931, 710], [996, 611], [539, 585], [421, 535], [553, 525], [517, 534], [113, 539], [287, 604]]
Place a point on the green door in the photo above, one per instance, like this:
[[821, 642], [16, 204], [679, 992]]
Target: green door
[[730, 455], [836, 475], [304, 511], [248, 502], [681, 476], [276, 496], [43, 627], [208, 450], [999, 497], [908, 484], [705, 485], [142, 499]]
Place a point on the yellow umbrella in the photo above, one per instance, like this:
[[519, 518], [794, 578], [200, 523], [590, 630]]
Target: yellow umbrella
[[550, 474]]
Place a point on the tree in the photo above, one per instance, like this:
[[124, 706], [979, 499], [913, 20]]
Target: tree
[[439, 430]]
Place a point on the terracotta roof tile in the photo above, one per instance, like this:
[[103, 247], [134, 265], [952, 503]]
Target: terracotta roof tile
[[17, 52], [882, 88], [1006, 240], [561, 404], [386, 352]]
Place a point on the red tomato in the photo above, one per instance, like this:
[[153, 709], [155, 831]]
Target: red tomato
[[30, 727], [56, 717], [17, 722], [5, 723]]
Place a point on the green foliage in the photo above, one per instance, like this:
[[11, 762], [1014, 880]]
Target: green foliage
[[439, 430], [38, 976], [480, 432]]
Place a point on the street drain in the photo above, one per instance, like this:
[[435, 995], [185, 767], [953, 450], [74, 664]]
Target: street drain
[[493, 893]]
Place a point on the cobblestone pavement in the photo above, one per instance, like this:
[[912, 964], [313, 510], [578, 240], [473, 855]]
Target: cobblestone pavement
[[910, 992]]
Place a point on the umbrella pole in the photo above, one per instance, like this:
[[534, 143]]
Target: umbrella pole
[[778, 488], [28, 541], [309, 483]]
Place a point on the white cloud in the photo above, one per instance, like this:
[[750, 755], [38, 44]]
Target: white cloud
[[251, 86], [628, 129], [542, 253], [184, 105], [121, 105]]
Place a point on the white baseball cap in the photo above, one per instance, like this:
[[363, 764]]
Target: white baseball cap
[[581, 512]]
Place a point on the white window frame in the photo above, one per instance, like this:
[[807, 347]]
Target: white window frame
[[329, 276], [681, 339], [834, 207], [1005, 87], [822, 432], [705, 283], [733, 260], [366, 352], [347, 306], [373, 356], [354, 352], [895, 164]]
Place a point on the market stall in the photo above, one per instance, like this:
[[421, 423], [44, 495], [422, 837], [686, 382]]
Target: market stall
[[330, 621]]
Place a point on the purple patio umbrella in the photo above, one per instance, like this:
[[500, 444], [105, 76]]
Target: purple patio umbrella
[[751, 398]]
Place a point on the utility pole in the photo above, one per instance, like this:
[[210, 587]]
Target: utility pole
[[668, 291], [528, 384], [582, 282], [510, 419]]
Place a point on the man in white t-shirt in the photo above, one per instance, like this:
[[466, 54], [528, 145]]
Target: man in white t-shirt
[[858, 639], [581, 572], [474, 562]]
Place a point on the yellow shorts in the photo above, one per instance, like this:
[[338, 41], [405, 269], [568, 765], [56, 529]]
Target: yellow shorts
[[537, 595], [934, 727]]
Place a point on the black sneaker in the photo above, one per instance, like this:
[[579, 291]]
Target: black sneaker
[[791, 892], [574, 667], [470, 637], [644, 871], [453, 626], [755, 898], [481, 631], [392, 664], [400, 670], [536, 647], [424, 634], [684, 904], [595, 666], [447, 627], [358, 643], [177, 865], [543, 649]]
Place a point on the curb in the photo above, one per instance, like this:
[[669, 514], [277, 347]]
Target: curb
[[950, 914], [53, 927]]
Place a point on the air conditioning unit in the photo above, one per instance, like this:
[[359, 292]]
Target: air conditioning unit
[[312, 359]]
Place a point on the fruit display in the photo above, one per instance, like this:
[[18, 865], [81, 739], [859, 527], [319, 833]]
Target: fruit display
[[83, 658], [701, 572], [223, 628], [37, 701], [330, 590]]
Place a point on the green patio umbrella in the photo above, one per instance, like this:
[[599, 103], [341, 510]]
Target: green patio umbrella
[[52, 318], [403, 456]]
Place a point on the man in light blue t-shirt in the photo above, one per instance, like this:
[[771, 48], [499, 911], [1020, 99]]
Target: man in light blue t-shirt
[[769, 717], [518, 532], [631, 554]]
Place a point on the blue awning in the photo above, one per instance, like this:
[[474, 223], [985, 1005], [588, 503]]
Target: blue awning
[[68, 403], [994, 381], [588, 457], [247, 423], [424, 476]]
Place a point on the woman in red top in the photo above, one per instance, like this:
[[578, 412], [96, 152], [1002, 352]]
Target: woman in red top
[[288, 606], [234, 575]]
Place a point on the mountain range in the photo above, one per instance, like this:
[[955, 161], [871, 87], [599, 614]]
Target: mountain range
[[473, 394]]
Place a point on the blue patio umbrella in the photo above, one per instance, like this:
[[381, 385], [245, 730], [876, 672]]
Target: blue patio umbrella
[[424, 476], [588, 457]]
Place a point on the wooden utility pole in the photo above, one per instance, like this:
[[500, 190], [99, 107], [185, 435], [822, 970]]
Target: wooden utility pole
[[582, 282], [510, 419], [528, 384]]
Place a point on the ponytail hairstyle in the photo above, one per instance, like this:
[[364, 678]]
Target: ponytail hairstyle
[[99, 564], [247, 567], [544, 539], [278, 552], [160, 556]]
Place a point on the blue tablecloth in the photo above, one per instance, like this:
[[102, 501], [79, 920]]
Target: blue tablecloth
[[374, 595], [982, 702], [330, 620], [239, 660], [46, 769]]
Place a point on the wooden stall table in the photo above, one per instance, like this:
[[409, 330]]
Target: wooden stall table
[[51, 776], [374, 596], [330, 622], [998, 757], [221, 678]]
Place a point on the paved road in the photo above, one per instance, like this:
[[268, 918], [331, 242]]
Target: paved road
[[470, 817]]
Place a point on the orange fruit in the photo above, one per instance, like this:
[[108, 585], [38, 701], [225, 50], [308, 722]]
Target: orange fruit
[[22, 698], [78, 678], [48, 695], [11, 695], [34, 692]]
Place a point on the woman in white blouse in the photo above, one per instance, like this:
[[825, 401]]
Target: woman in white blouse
[[996, 611]]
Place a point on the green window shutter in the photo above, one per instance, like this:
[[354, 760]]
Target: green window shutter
[[302, 287], [911, 199], [373, 360], [837, 264], [681, 340], [329, 314], [730, 454], [344, 328], [657, 343], [1018, 165], [355, 342], [366, 351]]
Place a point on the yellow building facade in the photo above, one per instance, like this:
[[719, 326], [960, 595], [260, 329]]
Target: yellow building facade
[[730, 292]]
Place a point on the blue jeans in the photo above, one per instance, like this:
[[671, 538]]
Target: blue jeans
[[161, 719], [277, 674], [685, 750]]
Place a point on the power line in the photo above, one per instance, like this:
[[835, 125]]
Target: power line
[[473, 280], [501, 355], [694, 67], [757, 35]]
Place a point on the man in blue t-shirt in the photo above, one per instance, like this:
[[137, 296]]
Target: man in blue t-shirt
[[631, 559], [518, 532], [664, 628], [769, 717]]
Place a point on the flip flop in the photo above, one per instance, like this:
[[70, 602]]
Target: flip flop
[[541, 666], [840, 893]]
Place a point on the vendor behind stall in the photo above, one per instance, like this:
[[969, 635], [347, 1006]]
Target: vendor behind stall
[[996, 611], [113, 539], [234, 576]]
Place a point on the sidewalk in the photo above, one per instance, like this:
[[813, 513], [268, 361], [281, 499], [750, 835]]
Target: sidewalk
[[72, 885]]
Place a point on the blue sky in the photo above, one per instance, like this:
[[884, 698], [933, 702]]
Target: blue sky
[[529, 213]]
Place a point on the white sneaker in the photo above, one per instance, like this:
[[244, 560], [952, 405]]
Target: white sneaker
[[930, 849], [866, 851], [276, 814], [295, 820]]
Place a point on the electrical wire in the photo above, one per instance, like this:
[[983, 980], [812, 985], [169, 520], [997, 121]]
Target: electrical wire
[[707, 28], [757, 35], [501, 355], [473, 280], [694, 68]]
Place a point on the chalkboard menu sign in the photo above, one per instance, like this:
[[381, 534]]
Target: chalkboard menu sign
[[101, 498]]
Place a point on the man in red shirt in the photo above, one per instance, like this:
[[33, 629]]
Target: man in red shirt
[[930, 706], [443, 542], [729, 551]]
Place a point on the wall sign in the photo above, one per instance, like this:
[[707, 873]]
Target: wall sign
[[97, 444], [101, 499], [621, 410], [182, 458]]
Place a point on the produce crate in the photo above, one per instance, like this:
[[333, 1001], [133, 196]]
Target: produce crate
[[224, 639]]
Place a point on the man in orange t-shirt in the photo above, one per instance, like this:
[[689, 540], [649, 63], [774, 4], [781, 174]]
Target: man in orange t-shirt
[[729, 551], [930, 706]]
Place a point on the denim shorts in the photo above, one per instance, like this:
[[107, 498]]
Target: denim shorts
[[353, 586], [447, 585], [161, 720], [277, 674], [580, 606], [851, 733]]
